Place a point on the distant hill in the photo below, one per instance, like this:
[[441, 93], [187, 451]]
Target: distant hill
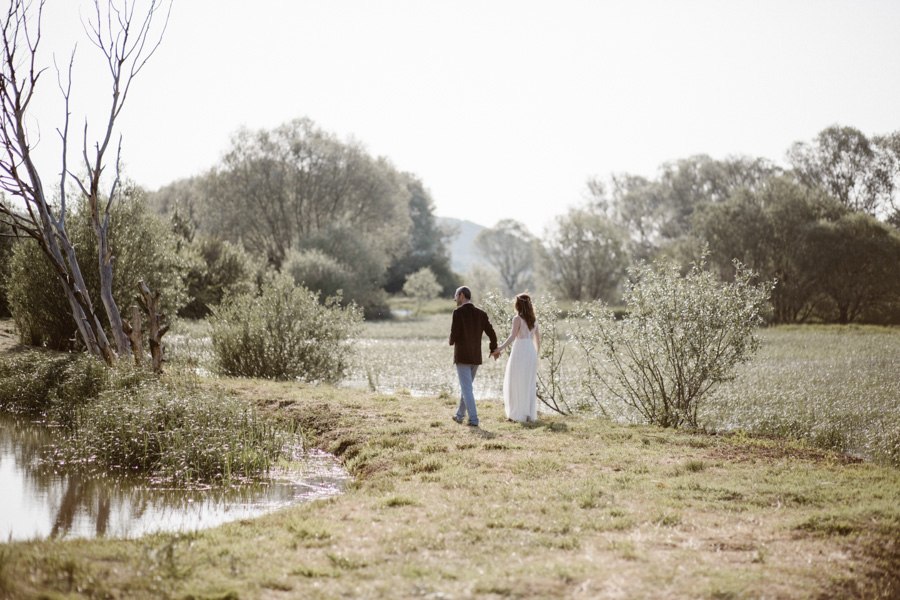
[[462, 248]]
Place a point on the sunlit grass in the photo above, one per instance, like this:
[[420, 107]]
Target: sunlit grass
[[564, 507], [834, 387]]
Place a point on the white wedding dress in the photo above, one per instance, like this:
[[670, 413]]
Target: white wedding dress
[[520, 381]]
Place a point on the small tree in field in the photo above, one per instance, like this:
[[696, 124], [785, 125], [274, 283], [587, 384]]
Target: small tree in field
[[422, 286], [681, 337]]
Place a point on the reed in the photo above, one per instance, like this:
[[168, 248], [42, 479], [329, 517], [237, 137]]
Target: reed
[[176, 434], [128, 420]]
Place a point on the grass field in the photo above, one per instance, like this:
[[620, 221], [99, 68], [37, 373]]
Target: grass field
[[568, 507], [835, 387]]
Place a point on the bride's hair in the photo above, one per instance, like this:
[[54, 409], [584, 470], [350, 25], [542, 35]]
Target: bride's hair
[[525, 309]]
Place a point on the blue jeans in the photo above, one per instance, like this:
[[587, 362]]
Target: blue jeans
[[466, 374]]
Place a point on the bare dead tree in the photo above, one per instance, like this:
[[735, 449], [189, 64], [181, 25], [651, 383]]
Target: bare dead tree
[[127, 43]]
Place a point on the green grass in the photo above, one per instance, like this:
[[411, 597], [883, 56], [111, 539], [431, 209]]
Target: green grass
[[568, 507], [129, 420], [833, 387], [565, 507]]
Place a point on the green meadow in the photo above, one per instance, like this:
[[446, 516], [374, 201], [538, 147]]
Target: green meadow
[[834, 387], [763, 503]]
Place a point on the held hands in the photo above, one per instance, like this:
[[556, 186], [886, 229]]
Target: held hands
[[495, 354]]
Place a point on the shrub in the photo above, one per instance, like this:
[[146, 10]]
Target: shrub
[[681, 337], [53, 385], [37, 300], [144, 247], [221, 269], [28, 380], [173, 433], [317, 271], [7, 244], [284, 333], [329, 275]]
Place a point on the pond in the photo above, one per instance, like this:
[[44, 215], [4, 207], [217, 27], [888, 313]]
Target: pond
[[38, 501]]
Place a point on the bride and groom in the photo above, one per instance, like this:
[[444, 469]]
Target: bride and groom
[[520, 382]]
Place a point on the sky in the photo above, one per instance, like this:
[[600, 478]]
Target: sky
[[504, 109]]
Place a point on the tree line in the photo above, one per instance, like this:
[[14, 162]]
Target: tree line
[[825, 229], [299, 200], [295, 200], [352, 228]]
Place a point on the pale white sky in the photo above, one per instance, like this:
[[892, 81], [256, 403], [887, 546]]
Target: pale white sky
[[503, 108]]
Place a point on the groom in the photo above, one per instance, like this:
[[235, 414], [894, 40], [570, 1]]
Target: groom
[[469, 322]]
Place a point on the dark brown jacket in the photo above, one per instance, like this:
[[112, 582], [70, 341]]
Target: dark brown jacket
[[469, 322]]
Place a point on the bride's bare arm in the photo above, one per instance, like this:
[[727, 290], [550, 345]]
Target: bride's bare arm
[[515, 329], [537, 339]]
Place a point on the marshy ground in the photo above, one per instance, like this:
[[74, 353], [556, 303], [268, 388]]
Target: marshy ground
[[567, 507]]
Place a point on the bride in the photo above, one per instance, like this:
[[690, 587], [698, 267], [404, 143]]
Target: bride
[[520, 382]]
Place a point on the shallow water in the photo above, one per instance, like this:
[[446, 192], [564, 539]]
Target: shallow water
[[37, 501]]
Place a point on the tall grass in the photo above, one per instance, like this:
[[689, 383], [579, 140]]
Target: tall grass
[[182, 435], [835, 387], [129, 420]]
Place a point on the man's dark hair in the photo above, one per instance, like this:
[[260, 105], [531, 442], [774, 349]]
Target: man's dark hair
[[465, 292]]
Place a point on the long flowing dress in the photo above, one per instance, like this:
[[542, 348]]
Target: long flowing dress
[[520, 381]]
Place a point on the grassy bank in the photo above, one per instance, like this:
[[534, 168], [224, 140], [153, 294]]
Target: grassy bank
[[127, 420], [566, 507]]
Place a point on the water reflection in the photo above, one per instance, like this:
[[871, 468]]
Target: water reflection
[[38, 502]]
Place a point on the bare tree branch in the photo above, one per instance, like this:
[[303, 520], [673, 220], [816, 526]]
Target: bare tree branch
[[127, 46]]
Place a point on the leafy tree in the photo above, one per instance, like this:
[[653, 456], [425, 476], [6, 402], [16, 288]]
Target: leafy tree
[[657, 213], [584, 257], [856, 264], [183, 201], [857, 171], [220, 269], [42, 315], [318, 271], [509, 248], [428, 244], [7, 244], [361, 265], [308, 190], [481, 279], [423, 286], [767, 229], [301, 181], [146, 249], [681, 337], [638, 205]]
